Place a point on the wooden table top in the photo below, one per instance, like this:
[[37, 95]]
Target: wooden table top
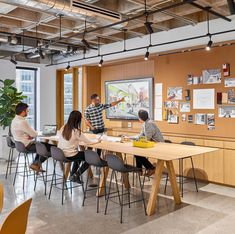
[[162, 151]]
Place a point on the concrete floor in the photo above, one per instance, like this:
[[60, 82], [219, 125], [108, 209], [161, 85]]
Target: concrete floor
[[211, 210]]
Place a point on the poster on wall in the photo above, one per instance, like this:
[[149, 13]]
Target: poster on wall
[[211, 122], [204, 99], [231, 96], [227, 112], [173, 119], [229, 82], [174, 93], [171, 104], [190, 118], [200, 119], [183, 117], [185, 107], [211, 76]]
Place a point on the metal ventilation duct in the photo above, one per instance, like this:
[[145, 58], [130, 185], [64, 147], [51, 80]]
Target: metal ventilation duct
[[73, 9]]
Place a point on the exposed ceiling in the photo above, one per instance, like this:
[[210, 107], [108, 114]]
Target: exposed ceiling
[[37, 30]]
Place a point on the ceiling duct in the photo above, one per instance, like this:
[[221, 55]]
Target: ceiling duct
[[95, 10], [72, 9]]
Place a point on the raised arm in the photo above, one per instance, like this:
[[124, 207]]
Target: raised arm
[[115, 103]]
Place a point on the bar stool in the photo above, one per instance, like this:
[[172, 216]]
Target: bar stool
[[93, 159], [117, 165], [20, 147], [181, 170], [58, 156], [43, 152], [11, 146]]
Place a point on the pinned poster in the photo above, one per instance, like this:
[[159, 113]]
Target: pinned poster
[[158, 102], [158, 89], [158, 114], [204, 99]]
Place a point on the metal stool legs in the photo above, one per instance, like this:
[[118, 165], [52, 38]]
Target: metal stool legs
[[9, 162]]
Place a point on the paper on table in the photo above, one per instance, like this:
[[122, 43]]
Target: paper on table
[[158, 89], [158, 102], [158, 114]]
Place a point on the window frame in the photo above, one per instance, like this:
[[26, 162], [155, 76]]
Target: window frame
[[35, 89]]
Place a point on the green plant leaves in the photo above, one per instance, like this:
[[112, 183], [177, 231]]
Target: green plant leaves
[[9, 98], [8, 82]]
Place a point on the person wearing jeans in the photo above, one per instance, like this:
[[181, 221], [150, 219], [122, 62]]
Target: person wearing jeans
[[152, 133], [70, 137], [24, 133]]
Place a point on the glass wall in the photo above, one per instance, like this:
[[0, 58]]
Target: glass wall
[[26, 83]]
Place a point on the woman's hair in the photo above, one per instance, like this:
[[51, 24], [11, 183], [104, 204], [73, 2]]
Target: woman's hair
[[143, 115], [74, 122]]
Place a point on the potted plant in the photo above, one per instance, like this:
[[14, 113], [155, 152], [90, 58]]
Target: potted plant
[[9, 98]]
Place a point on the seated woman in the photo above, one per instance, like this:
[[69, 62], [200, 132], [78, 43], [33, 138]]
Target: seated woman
[[70, 137], [152, 133]]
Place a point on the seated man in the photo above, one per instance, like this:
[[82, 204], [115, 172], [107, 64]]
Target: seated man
[[24, 133], [152, 133]]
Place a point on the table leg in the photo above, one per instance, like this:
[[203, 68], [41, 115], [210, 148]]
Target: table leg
[[67, 170], [155, 188], [102, 181], [90, 173], [174, 185]]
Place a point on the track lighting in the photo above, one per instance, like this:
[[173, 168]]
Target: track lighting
[[146, 57], [148, 27], [209, 45], [101, 62], [13, 60], [68, 66]]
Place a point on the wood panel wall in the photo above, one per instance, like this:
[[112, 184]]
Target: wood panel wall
[[172, 70], [130, 70]]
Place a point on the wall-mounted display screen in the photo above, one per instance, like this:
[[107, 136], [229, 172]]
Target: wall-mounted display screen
[[138, 95]]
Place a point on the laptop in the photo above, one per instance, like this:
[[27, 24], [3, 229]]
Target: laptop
[[49, 130]]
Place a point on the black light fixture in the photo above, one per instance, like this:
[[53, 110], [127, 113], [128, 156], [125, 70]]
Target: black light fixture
[[148, 27], [13, 60], [101, 62], [147, 24], [68, 66], [41, 53], [146, 57], [210, 42]]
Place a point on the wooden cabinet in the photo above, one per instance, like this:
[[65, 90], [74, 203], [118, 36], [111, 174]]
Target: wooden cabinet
[[229, 167]]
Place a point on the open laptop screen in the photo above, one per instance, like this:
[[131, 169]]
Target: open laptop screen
[[49, 130]]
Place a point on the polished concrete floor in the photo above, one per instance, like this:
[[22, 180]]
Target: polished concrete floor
[[211, 210]]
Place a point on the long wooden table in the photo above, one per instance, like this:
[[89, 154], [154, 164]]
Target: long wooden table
[[162, 152]]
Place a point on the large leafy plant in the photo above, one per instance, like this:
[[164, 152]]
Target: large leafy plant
[[9, 98]]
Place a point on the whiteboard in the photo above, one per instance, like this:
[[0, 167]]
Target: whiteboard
[[204, 99]]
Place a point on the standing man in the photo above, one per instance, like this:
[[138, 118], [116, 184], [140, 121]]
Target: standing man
[[93, 113]]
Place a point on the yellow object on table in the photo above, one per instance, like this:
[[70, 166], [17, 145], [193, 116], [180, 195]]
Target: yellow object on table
[[143, 143]]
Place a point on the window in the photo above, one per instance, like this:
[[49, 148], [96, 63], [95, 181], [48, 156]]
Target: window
[[68, 95], [26, 83]]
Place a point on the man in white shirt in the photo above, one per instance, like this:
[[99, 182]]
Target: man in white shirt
[[24, 133]]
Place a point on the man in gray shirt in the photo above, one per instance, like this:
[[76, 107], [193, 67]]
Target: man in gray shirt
[[152, 133]]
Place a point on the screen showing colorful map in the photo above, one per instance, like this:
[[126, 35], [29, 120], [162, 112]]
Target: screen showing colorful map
[[137, 93]]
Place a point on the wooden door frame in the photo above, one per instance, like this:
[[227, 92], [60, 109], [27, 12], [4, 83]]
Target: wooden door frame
[[60, 93]]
